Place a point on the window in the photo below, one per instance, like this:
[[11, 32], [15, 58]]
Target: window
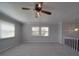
[[44, 31], [7, 29], [35, 31], [40, 31]]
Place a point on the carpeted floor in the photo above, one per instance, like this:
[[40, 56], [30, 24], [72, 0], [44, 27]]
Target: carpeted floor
[[40, 49]]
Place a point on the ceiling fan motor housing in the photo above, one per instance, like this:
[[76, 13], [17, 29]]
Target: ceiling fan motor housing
[[38, 8]]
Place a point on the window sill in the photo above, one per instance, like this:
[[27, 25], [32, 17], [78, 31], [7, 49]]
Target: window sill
[[40, 36], [6, 38]]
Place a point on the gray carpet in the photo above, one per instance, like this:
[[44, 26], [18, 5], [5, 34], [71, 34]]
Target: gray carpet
[[40, 49]]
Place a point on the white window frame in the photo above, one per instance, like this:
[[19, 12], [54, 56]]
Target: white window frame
[[35, 30], [44, 31], [8, 28], [40, 31]]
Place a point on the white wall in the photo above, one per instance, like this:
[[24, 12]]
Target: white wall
[[60, 33], [27, 33]]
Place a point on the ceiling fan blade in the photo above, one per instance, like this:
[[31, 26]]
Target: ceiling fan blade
[[26, 8], [46, 12]]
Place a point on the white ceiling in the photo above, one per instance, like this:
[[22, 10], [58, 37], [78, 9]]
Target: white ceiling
[[61, 11]]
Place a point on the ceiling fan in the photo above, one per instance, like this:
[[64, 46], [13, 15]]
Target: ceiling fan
[[38, 9]]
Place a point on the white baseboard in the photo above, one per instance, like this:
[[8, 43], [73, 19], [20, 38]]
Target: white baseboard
[[38, 42]]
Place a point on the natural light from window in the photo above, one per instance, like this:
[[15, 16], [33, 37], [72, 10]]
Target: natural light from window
[[7, 30], [40, 31], [44, 31], [35, 31]]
